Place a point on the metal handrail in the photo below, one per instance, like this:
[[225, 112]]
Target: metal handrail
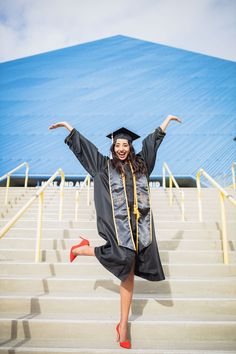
[[223, 194], [172, 179], [233, 174], [8, 176], [39, 194], [87, 181]]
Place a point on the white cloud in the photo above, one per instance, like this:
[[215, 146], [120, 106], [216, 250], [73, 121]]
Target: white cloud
[[28, 27]]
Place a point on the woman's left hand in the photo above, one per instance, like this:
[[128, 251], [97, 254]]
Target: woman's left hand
[[170, 117]]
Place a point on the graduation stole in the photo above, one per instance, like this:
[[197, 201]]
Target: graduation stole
[[121, 212]]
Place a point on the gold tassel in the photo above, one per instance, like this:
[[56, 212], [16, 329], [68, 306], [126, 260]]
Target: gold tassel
[[136, 212]]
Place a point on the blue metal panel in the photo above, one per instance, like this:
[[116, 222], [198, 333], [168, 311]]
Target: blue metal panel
[[102, 85]]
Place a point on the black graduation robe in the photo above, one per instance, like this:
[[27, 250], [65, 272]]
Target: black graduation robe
[[117, 259]]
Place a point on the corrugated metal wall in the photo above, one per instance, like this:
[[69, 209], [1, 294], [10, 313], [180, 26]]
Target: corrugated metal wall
[[102, 85]]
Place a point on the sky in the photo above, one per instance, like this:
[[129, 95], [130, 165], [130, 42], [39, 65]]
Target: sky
[[29, 27]]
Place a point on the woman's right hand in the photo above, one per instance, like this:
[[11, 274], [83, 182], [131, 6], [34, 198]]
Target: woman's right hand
[[61, 125]]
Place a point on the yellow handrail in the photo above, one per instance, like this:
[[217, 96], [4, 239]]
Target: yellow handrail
[[8, 176], [86, 181], [223, 194], [172, 179], [39, 194], [233, 174]]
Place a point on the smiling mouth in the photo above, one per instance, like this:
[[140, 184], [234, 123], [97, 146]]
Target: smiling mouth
[[121, 155]]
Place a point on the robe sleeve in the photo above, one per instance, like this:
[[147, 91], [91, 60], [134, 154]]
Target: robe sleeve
[[87, 153], [150, 146]]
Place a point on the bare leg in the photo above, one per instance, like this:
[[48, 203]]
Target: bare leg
[[84, 251], [126, 294]]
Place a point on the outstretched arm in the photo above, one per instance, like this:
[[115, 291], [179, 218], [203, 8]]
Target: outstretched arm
[[152, 142], [85, 151], [165, 123]]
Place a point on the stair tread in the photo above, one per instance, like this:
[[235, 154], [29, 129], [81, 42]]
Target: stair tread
[[69, 346], [108, 318], [69, 295], [99, 297], [85, 277], [160, 249]]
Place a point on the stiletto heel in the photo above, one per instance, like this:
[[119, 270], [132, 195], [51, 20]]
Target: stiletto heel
[[126, 344], [84, 242]]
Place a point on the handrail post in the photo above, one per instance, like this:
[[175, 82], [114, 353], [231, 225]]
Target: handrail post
[[86, 182], [16, 217], [171, 193], [8, 176], [61, 193], [163, 176], [224, 230], [39, 228], [223, 194], [40, 194], [76, 204], [7, 189], [26, 174], [88, 191], [171, 181], [199, 195], [182, 205]]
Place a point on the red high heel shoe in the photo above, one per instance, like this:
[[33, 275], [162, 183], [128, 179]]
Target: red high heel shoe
[[84, 242], [126, 344]]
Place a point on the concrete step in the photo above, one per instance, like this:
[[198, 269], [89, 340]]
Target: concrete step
[[60, 244], [155, 202], [49, 209], [31, 346], [163, 215], [147, 332], [171, 256], [71, 191], [155, 197], [80, 267], [22, 198], [84, 224], [105, 285], [55, 216], [162, 232], [91, 307], [191, 209], [92, 316]]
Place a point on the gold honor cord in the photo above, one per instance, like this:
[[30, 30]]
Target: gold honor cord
[[136, 211]]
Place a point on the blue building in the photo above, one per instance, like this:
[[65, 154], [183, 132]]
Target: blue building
[[118, 81]]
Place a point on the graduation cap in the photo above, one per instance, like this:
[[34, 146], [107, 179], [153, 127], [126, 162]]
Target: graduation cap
[[123, 133]]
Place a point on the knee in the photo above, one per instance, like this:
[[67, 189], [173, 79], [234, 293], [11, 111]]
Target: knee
[[131, 274]]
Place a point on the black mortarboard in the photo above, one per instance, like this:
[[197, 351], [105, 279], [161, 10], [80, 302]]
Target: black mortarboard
[[123, 133]]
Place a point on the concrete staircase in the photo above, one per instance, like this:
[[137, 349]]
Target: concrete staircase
[[58, 307]]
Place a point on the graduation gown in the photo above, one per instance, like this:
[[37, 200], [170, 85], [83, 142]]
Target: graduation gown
[[118, 259]]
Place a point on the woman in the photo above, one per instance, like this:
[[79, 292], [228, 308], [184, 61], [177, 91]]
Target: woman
[[124, 218]]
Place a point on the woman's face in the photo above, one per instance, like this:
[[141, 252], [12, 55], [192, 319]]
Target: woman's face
[[122, 149]]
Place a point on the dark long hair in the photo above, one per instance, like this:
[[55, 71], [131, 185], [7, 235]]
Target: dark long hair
[[136, 162]]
